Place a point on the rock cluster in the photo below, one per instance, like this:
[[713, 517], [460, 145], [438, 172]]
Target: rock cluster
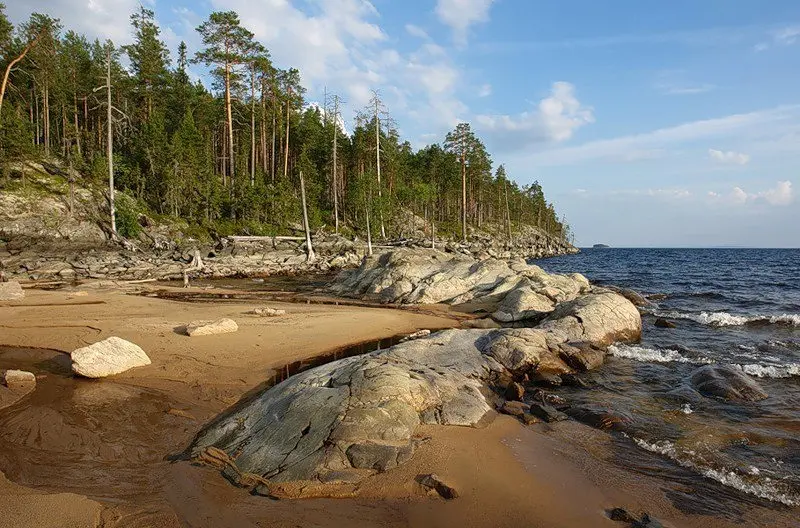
[[517, 291]]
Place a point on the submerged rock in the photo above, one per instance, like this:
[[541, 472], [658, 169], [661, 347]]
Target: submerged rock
[[107, 358], [663, 323], [203, 328], [11, 291], [547, 412], [727, 383]]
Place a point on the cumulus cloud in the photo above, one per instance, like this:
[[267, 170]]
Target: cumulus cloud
[[780, 195], [729, 157], [461, 14], [103, 19], [555, 119]]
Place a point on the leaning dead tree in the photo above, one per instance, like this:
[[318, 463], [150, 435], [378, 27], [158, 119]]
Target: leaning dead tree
[[310, 248], [10, 67]]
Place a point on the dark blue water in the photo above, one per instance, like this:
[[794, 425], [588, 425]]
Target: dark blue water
[[731, 306]]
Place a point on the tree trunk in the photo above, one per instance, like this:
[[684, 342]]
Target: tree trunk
[[274, 125], [10, 67], [110, 147], [463, 197], [309, 247], [508, 213], [286, 144], [231, 160], [46, 100], [253, 126], [335, 163], [378, 163]]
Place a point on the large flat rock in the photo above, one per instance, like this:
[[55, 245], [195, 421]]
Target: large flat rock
[[11, 291], [107, 358], [362, 412]]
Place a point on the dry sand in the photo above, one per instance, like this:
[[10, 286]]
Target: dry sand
[[93, 453]]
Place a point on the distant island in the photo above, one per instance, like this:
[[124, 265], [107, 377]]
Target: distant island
[[600, 246]]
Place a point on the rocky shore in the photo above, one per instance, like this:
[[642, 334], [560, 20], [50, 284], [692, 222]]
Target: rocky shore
[[341, 423]]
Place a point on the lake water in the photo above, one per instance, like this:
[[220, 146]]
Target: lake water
[[731, 306]]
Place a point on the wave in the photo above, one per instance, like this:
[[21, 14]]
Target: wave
[[765, 488], [652, 355], [727, 319], [771, 371]]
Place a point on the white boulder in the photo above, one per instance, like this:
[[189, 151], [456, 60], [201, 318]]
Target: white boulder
[[107, 358]]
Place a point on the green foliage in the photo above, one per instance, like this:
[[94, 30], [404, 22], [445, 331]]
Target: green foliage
[[172, 148], [127, 216]]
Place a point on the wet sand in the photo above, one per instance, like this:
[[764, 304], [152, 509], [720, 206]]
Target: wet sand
[[95, 452]]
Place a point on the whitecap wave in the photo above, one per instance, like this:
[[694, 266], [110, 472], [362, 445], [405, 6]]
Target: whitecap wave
[[652, 355], [727, 319], [765, 488], [771, 371]]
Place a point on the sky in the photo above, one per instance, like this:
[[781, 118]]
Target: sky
[[664, 124]]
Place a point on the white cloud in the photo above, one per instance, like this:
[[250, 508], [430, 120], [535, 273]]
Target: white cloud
[[485, 90], [461, 14], [675, 82], [416, 31], [781, 195], [103, 19], [759, 123], [556, 118], [785, 36], [729, 157]]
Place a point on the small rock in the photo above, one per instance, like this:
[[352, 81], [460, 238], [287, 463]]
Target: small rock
[[416, 335], [657, 296], [433, 482], [107, 358], [621, 515], [514, 408], [267, 312], [220, 326], [571, 380], [547, 397], [663, 323], [514, 391], [19, 377], [11, 291], [529, 419], [647, 522], [548, 413], [547, 379], [727, 383]]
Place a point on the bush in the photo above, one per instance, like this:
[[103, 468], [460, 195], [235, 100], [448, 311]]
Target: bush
[[127, 216]]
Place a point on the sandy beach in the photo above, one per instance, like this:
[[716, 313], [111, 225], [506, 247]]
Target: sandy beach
[[97, 452]]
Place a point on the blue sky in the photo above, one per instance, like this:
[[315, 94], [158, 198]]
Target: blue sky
[[648, 123]]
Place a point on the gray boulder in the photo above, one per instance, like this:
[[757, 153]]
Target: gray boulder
[[107, 358], [11, 291], [726, 382], [424, 276], [362, 412], [599, 318]]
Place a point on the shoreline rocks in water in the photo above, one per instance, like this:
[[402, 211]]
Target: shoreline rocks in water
[[727, 383], [107, 358], [361, 413]]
